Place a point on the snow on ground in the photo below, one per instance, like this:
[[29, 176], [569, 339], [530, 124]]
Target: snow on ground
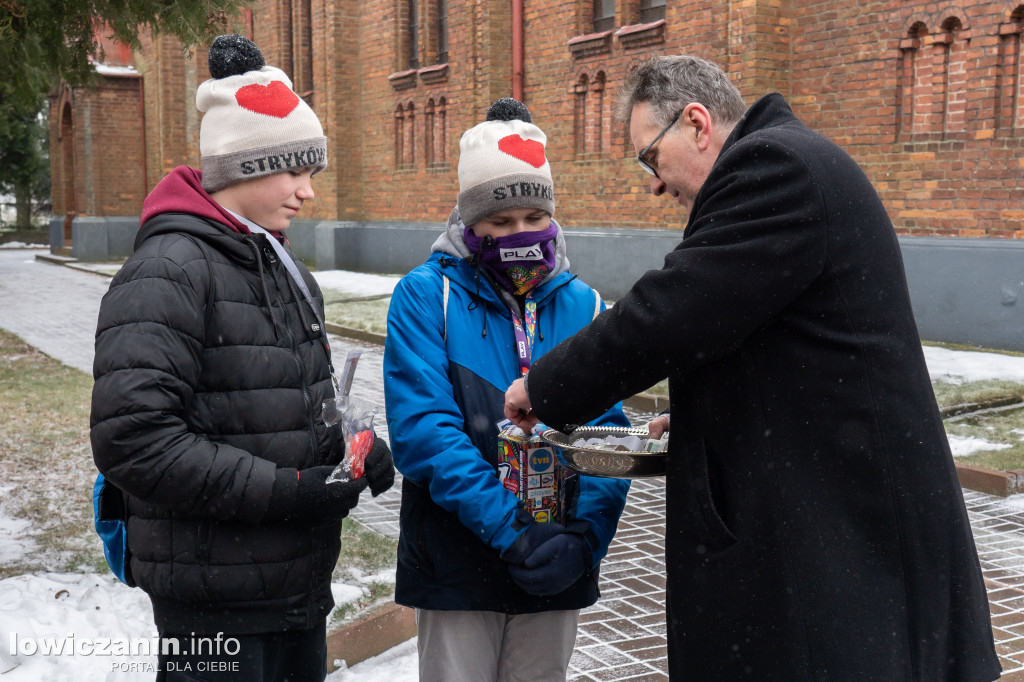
[[22, 245], [960, 366], [398, 664], [356, 283], [15, 542], [968, 445], [70, 627]]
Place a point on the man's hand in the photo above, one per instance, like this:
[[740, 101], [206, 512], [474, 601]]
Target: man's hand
[[658, 426], [518, 408]]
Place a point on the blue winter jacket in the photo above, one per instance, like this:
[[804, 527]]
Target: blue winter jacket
[[444, 385]]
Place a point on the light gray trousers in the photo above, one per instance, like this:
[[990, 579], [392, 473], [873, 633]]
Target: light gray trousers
[[484, 646]]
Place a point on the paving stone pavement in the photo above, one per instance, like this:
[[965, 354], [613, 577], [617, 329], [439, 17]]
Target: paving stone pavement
[[622, 637]]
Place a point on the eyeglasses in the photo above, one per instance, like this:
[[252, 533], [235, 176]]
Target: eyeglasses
[[643, 152]]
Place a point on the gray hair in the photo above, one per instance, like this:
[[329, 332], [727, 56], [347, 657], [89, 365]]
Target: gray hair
[[668, 84]]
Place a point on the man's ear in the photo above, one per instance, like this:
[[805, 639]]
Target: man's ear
[[699, 123]]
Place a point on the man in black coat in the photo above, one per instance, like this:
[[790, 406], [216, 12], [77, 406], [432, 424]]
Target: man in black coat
[[211, 367], [816, 529]]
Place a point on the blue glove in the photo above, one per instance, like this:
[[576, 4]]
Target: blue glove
[[534, 535], [553, 566]]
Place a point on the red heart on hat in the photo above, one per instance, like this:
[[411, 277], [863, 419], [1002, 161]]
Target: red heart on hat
[[530, 151], [274, 99]]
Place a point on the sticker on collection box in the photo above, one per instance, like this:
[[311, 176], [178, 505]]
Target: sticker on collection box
[[529, 468]]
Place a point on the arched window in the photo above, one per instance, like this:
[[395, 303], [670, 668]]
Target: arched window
[[1009, 116], [950, 81], [604, 15], [409, 144], [399, 136], [441, 129], [595, 116], [911, 72], [69, 198], [429, 138], [442, 31], [580, 115], [651, 10]]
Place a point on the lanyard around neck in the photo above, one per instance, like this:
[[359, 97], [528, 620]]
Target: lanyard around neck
[[526, 331], [293, 271]]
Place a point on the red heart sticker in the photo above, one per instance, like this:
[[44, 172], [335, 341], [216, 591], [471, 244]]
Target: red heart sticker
[[274, 99], [530, 151]]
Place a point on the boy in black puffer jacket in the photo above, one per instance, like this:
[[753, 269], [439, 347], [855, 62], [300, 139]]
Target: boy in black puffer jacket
[[211, 367]]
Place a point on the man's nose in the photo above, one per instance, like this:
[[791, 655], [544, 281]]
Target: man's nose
[[305, 190], [657, 186]]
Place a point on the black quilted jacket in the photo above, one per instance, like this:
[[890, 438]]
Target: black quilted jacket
[[210, 372]]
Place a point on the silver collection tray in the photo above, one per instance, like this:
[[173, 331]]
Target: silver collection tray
[[606, 463]]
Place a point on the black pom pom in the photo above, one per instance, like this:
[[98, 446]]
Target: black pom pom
[[231, 55], [508, 109]]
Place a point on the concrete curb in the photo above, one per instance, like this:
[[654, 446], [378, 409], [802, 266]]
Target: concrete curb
[[999, 483], [357, 334], [373, 634]]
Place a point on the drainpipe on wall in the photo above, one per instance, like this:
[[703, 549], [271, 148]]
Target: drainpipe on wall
[[142, 118], [517, 49]]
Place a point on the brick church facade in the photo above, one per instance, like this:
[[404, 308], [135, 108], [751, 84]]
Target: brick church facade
[[927, 96]]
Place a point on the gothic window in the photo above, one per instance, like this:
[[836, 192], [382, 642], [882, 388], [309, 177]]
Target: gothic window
[[604, 15], [595, 115], [1008, 101], [441, 132], [651, 10], [409, 143], [910, 87], [399, 136], [429, 138], [406, 35], [442, 31], [580, 117], [950, 81]]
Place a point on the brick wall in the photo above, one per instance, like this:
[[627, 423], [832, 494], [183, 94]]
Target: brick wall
[[101, 130], [927, 96], [921, 94]]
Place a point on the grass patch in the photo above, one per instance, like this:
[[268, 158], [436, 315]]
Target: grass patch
[[368, 560], [1003, 427], [950, 395], [45, 461], [365, 315], [47, 474]]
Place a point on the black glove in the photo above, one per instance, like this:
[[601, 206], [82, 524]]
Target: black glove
[[306, 496], [553, 566], [534, 535], [379, 468]]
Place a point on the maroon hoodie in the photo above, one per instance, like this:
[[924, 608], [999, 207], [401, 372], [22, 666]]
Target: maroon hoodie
[[181, 191]]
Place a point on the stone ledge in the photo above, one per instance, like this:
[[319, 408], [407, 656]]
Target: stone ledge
[[990, 481], [357, 334], [382, 629]]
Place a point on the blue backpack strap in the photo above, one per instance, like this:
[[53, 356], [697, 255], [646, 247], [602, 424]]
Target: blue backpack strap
[[109, 515]]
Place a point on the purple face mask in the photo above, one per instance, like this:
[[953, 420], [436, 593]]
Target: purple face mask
[[518, 261]]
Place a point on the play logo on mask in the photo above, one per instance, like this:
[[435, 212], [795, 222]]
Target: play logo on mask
[[535, 252]]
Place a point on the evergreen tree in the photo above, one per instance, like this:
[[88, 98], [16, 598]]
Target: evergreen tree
[[24, 160], [43, 42]]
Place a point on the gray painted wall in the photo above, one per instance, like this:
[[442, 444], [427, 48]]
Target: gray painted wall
[[967, 290], [963, 290]]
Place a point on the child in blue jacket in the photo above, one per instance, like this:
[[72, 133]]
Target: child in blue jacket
[[497, 593]]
